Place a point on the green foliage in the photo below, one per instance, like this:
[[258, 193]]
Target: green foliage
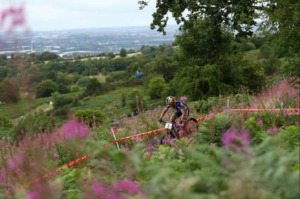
[[83, 81], [290, 137], [93, 88], [46, 56], [247, 46], [9, 91], [253, 75], [200, 82], [74, 89], [35, 123], [63, 100], [116, 76], [136, 101], [266, 51], [162, 65], [217, 43], [6, 127], [123, 52], [46, 88], [240, 17], [271, 65], [212, 129], [157, 87], [4, 122]]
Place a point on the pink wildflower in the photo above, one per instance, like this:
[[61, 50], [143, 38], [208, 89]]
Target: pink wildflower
[[286, 112], [134, 132], [210, 115], [3, 176], [11, 164], [273, 130], [74, 129], [127, 187], [259, 122], [293, 94], [33, 195], [99, 189], [183, 98], [236, 140]]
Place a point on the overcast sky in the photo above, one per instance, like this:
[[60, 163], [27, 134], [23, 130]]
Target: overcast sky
[[74, 14]]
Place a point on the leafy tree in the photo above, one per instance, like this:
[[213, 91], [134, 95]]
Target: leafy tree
[[111, 55], [204, 43], [46, 56], [283, 24], [247, 46], [266, 51], [138, 64], [9, 91], [198, 82], [149, 51], [83, 81], [4, 71], [93, 88], [46, 88], [162, 65], [62, 100], [123, 52], [271, 65], [240, 16], [157, 86], [253, 74]]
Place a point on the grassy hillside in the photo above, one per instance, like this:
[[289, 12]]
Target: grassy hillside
[[248, 155]]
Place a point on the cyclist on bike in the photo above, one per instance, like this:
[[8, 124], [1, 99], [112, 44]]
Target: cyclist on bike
[[182, 112]]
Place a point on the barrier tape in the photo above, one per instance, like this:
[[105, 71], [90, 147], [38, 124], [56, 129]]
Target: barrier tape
[[132, 137], [295, 110]]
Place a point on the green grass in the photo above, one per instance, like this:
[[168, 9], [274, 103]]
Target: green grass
[[110, 103], [23, 107]]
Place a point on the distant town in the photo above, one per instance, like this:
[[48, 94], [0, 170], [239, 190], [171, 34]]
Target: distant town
[[85, 41]]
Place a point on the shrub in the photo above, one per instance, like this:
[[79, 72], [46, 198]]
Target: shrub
[[63, 100], [75, 89], [46, 88], [13, 95], [157, 86], [34, 123], [93, 88]]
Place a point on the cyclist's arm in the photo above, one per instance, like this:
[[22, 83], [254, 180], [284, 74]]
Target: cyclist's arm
[[164, 112]]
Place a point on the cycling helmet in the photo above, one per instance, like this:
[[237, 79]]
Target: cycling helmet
[[170, 100]]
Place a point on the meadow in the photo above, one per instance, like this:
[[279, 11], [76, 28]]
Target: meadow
[[232, 155]]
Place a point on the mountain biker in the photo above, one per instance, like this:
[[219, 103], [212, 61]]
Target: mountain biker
[[181, 111]]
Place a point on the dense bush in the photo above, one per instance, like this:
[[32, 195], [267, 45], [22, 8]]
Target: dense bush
[[157, 87], [46, 88], [10, 91], [247, 46], [35, 123], [63, 100]]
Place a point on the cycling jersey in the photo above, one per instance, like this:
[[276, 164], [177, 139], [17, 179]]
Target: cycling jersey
[[178, 107]]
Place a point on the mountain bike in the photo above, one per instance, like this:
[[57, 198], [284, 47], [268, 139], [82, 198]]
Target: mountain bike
[[175, 130]]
